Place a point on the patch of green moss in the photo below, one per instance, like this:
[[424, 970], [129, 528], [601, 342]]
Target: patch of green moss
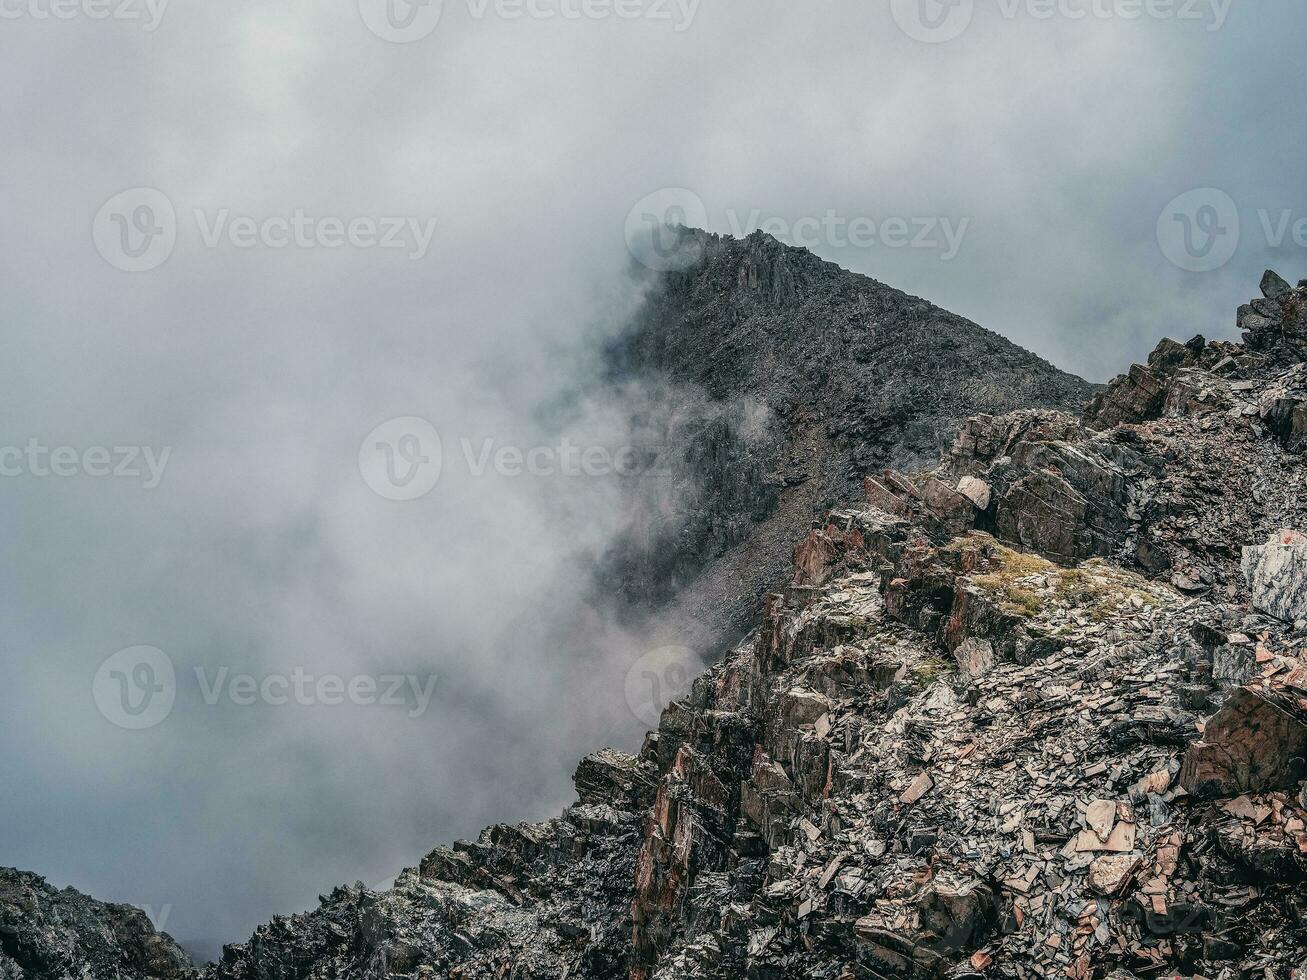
[[929, 671], [1101, 590]]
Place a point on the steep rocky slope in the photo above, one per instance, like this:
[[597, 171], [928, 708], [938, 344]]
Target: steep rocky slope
[[771, 383], [47, 934], [1040, 711]]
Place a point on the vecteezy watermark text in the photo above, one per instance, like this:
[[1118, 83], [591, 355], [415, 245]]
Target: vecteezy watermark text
[[1201, 229], [942, 234], [137, 688], [653, 238], [299, 687], [302, 230], [137, 230], [148, 12], [406, 21], [403, 459], [36, 459], [937, 21]]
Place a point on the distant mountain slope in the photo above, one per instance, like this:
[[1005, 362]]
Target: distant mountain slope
[[49, 934], [771, 382]]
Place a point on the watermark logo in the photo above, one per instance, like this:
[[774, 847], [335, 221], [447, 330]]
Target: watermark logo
[[149, 13], [136, 688], [656, 238], [401, 21], [38, 460], [654, 224], [939, 21], [136, 231], [158, 917], [402, 459], [1199, 230], [411, 691], [658, 678], [933, 21]]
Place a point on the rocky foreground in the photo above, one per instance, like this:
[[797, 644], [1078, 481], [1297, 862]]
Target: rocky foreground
[[1040, 711]]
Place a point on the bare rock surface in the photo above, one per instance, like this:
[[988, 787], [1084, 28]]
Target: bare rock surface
[[1277, 576], [52, 934]]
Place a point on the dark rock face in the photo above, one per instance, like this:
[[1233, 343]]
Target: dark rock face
[[47, 934], [805, 378], [1276, 324]]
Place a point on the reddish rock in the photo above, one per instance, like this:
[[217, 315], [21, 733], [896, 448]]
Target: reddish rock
[[1251, 745]]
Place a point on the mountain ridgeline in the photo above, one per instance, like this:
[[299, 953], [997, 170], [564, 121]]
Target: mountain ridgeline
[[769, 383]]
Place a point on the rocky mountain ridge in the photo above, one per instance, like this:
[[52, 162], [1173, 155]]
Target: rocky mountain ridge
[[769, 383], [1039, 711], [46, 932]]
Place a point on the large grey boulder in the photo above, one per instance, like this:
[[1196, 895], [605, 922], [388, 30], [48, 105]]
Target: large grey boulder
[[1277, 576]]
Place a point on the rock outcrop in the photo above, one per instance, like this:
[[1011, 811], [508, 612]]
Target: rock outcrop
[[772, 383], [52, 934]]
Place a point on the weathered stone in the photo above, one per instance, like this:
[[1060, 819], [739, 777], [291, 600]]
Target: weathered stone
[[1171, 354], [959, 916], [975, 490], [1276, 574], [1101, 817], [1134, 397], [1108, 874], [975, 658], [892, 954], [609, 776], [1249, 746], [1045, 514], [1274, 287]]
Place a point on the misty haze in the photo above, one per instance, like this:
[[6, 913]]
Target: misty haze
[[822, 483]]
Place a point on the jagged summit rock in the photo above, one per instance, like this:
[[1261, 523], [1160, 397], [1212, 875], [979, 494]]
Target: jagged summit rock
[[1276, 324], [776, 381], [1274, 287], [52, 934]]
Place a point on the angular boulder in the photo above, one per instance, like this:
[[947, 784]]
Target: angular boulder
[[1274, 286], [1134, 397], [976, 490], [1276, 573], [615, 778], [1251, 745], [1276, 324]]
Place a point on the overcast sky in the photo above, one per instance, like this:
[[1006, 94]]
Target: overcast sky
[[1020, 170]]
